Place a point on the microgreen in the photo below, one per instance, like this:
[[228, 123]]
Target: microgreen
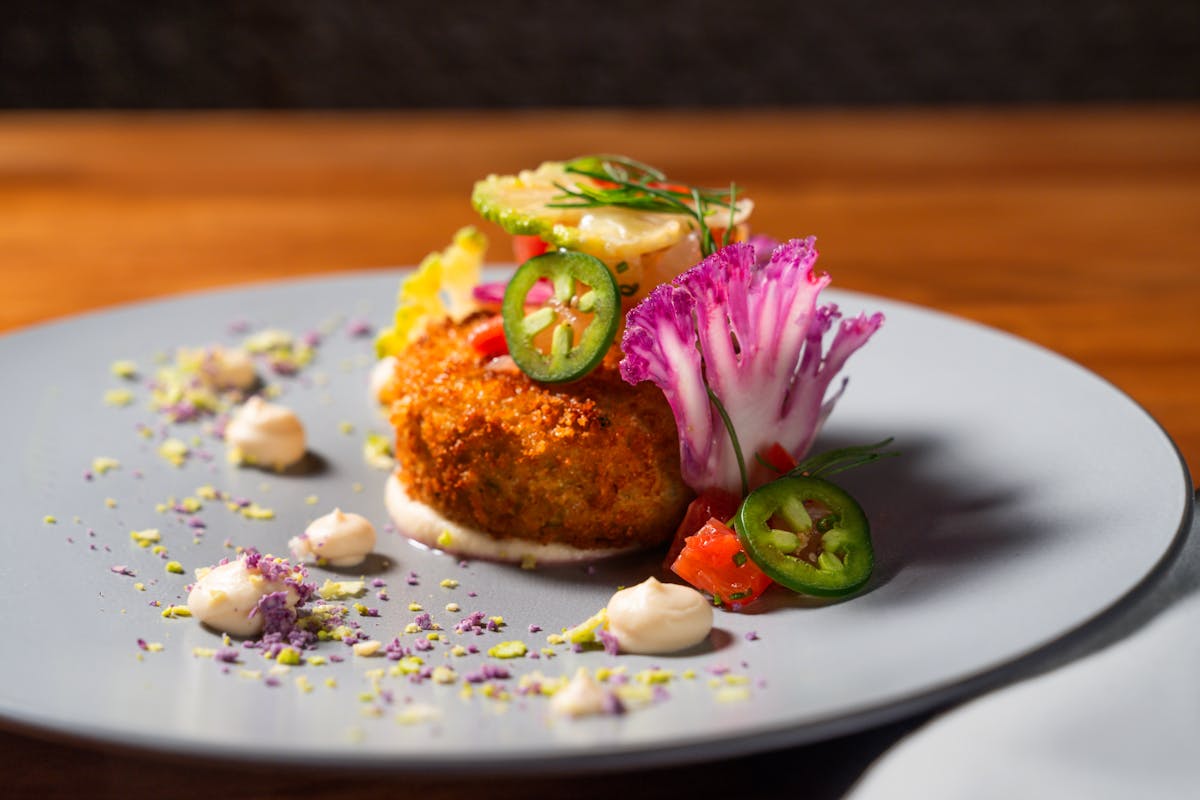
[[832, 462]]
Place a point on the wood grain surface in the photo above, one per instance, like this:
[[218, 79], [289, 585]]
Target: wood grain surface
[[1077, 229]]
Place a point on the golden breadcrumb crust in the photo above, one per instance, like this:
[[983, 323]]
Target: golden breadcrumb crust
[[593, 463]]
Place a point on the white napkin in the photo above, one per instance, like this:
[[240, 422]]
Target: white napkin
[[1123, 722]]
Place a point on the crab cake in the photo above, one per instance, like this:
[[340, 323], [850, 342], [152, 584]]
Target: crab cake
[[520, 469]]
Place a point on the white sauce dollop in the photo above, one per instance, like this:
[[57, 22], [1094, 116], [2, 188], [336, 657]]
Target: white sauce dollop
[[381, 374], [265, 434], [653, 618], [341, 539], [582, 696], [224, 597], [230, 369]]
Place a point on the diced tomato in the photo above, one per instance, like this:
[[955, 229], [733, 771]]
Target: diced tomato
[[526, 247], [713, 561], [708, 504], [779, 458], [488, 337]]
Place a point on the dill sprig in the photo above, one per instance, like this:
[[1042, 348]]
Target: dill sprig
[[834, 461], [626, 183]]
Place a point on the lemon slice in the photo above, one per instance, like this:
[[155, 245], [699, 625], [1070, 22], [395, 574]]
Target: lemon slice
[[520, 204]]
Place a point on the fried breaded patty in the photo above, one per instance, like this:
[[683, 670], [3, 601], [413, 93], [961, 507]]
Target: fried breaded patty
[[591, 464]]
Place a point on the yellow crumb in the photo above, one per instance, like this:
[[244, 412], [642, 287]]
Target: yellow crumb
[[145, 538], [175, 451], [368, 648], [255, 511], [513, 649], [124, 368], [101, 465], [118, 398]]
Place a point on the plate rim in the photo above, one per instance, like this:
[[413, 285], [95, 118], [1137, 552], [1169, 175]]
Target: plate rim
[[610, 757]]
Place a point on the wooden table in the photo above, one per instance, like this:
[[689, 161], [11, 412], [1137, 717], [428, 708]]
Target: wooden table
[[1076, 229]]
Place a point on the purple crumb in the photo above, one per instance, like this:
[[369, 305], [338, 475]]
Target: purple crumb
[[87, 475], [611, 646], [396, 651], [472, 622], [535, 628], [613, 704], [278, 616], [121, 569], [378, 582], [752, 636], [358, 327], [488, 672]]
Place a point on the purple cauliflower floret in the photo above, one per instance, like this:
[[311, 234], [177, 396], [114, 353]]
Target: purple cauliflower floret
[[749, 328]]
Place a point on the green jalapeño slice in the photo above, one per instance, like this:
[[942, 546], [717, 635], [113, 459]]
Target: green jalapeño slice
[[807, 534], [567, 335]]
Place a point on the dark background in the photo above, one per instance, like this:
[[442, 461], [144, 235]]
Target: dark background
[[462, 53]]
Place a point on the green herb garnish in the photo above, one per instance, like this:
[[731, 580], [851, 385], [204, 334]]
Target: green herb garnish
[[627, 183]]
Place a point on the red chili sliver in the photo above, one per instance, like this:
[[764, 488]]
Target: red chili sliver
[[714, 561], [488, 337], [708, 504]]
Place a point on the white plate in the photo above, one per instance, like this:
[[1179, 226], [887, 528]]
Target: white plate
[[1031, 497]]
